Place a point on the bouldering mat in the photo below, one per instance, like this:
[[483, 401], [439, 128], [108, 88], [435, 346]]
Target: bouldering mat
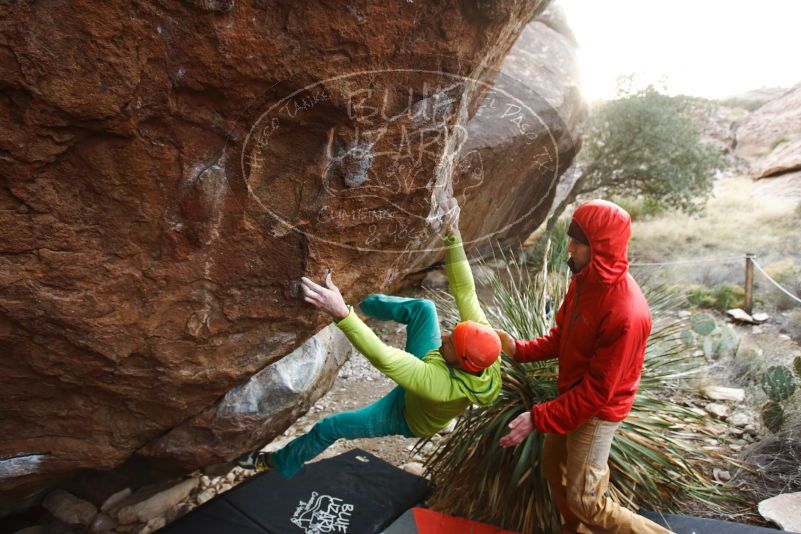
[[682, 524], [354, 492], [425, 521]]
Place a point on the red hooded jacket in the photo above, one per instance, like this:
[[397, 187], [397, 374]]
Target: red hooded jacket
[[601, 330]]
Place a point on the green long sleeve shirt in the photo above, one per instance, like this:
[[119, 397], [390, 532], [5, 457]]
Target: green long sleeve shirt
[[435, 392]]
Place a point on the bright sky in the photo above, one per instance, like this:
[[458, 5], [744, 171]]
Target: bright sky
[[709, 48]]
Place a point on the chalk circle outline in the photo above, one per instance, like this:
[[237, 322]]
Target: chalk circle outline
[[491, 85]]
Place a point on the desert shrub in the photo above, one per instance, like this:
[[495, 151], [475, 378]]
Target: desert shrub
[[748, 364], [788, 275], [721, 297], [744, 103], [640, 208], [777, 462]]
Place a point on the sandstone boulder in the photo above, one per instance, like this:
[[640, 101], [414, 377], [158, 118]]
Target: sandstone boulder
[[171, 170], [770, 137], [253, 413]]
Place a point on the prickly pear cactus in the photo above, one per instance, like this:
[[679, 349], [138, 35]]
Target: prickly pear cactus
[[687, 336], [729, 341], [703, 324], [778, 383], [797, 366], [773, 416]]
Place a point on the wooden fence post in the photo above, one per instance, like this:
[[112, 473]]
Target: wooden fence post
[[749, 282]]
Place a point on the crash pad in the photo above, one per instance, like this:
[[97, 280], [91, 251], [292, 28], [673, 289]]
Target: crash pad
[[425, 521], [354, 492], [683, 524]]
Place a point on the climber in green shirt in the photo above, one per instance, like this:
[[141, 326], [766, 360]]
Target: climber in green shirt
[[438, 376]]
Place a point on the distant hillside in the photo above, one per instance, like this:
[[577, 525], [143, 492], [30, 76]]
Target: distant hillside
[[759, 130], [753, 99]]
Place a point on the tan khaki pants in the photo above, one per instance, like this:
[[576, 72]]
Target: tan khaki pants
[[577, 472]]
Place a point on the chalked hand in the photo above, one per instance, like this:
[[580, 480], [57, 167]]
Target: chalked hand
[[325, 298]]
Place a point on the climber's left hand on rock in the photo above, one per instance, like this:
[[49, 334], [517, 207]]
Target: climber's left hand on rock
[[327, 299], [450, 219]]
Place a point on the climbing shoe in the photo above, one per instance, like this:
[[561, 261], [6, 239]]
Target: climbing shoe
[[255, 461]]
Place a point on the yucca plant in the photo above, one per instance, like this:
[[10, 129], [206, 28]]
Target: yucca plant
[[659, 457]]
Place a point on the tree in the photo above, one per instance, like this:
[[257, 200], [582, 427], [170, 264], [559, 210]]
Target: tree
[[644, 144]]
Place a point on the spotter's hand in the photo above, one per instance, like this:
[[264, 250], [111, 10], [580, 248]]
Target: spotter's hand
[[521, 427], [327, 299], [507, 343]]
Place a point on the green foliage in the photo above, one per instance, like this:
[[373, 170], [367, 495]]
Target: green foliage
[[655, 459], [778, 383], [700, 297], [703, 324], [715, 340], [797, 366], [773, 416], [789, 276], [748, 364], [551, 247], [645, 145], [722, 297], [640, 208], [687, 337], [728, 341], [749, 104], [728, 296]]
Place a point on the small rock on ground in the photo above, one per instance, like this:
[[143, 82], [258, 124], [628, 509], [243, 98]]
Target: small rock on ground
[[115, 499], [721, 411], [724, 393], [70, 509], [784, 510], [158, 504]]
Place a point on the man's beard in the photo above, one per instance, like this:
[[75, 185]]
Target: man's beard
[[572, 265]]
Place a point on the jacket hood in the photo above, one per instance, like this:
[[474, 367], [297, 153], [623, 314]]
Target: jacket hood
[[482, 389], [608, 229]]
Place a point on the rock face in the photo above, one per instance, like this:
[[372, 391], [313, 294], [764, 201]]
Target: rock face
[[542, 65], [170, 170], [253, 413], [770, 137]]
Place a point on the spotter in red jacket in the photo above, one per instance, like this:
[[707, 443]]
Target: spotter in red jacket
[[601, 330]]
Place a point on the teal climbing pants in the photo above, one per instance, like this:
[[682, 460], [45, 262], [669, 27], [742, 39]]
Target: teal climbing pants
[[384, 417]]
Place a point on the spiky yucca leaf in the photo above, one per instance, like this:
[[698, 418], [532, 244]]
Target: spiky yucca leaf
[[657, 455]]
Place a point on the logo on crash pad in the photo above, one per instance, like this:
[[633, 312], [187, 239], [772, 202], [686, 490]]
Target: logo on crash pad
[[322, 514]]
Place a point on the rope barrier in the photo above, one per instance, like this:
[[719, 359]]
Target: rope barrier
[[724, 259], [774, 282]]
